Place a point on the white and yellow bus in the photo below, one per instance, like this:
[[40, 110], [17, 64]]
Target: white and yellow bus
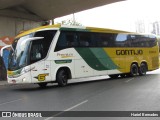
[[59, 53]]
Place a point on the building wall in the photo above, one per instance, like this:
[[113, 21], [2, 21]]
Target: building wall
[[9, 27]]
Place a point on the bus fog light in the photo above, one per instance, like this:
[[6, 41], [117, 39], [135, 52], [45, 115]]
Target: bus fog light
[[24, 79]]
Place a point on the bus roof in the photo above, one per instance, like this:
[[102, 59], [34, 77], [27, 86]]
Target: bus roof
[[75, 28]]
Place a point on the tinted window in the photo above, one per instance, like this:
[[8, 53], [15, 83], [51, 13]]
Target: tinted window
[[152, 40], [102, 40], [66, 40], [84, 39], [39, 48], [143, 41], [46, 41], [69, 39], [123, 40], [37, 52]]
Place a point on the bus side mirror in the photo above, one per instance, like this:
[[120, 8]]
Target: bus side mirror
[[32, 39], [23, 43], [2, 49]]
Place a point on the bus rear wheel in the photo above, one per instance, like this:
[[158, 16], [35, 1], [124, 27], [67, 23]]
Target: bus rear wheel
[[133, 70], [142, 69], [62, 77]]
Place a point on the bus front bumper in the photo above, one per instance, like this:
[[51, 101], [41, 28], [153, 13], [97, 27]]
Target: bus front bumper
[[25, 78]]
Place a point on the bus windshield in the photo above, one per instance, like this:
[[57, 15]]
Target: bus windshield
[[25, 52], [18, 56]]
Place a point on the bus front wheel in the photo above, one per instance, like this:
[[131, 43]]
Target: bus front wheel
[[133, 70], [62, 77], [142, 69]]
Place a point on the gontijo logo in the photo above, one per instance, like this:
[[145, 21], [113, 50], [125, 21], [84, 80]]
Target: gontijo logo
[[129, 52], [42, 77]]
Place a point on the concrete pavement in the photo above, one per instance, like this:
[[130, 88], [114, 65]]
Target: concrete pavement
[[140, 93]]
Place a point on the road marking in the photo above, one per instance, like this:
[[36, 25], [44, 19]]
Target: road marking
[[76, 105], [129, 80], [49, 118], [10, 101]]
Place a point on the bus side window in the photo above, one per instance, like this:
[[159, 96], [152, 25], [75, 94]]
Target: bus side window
[[67, 39], [84, 39], [141, 41], [152, 40], [61, 43], [132, 41], [122, 40], [101, 40], [71, 40], [106, 40], [36, 51], [47, 40]]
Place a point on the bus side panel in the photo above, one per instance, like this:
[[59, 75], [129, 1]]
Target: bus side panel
[[82, 69], [153, 61], [118, 60], [71, 59], [98, 60], [124, 57]]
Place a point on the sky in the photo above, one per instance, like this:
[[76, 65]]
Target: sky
[[120, 15]]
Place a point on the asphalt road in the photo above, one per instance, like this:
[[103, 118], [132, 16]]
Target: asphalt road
[[141, 93]]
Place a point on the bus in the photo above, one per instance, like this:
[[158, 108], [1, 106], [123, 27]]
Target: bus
[[58, 53]]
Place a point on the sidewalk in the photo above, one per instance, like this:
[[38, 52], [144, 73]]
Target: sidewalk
[[3, 82]]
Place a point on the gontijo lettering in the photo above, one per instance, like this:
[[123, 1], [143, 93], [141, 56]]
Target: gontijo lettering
[[129, 52]]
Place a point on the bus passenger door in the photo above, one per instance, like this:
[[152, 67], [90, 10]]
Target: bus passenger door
[[37, 63], [41, 71], [37, 72]]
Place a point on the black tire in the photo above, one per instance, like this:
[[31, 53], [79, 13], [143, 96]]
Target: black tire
[[114, 76], [134, 70], [42, 85], [142, 69], [62, 78]]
